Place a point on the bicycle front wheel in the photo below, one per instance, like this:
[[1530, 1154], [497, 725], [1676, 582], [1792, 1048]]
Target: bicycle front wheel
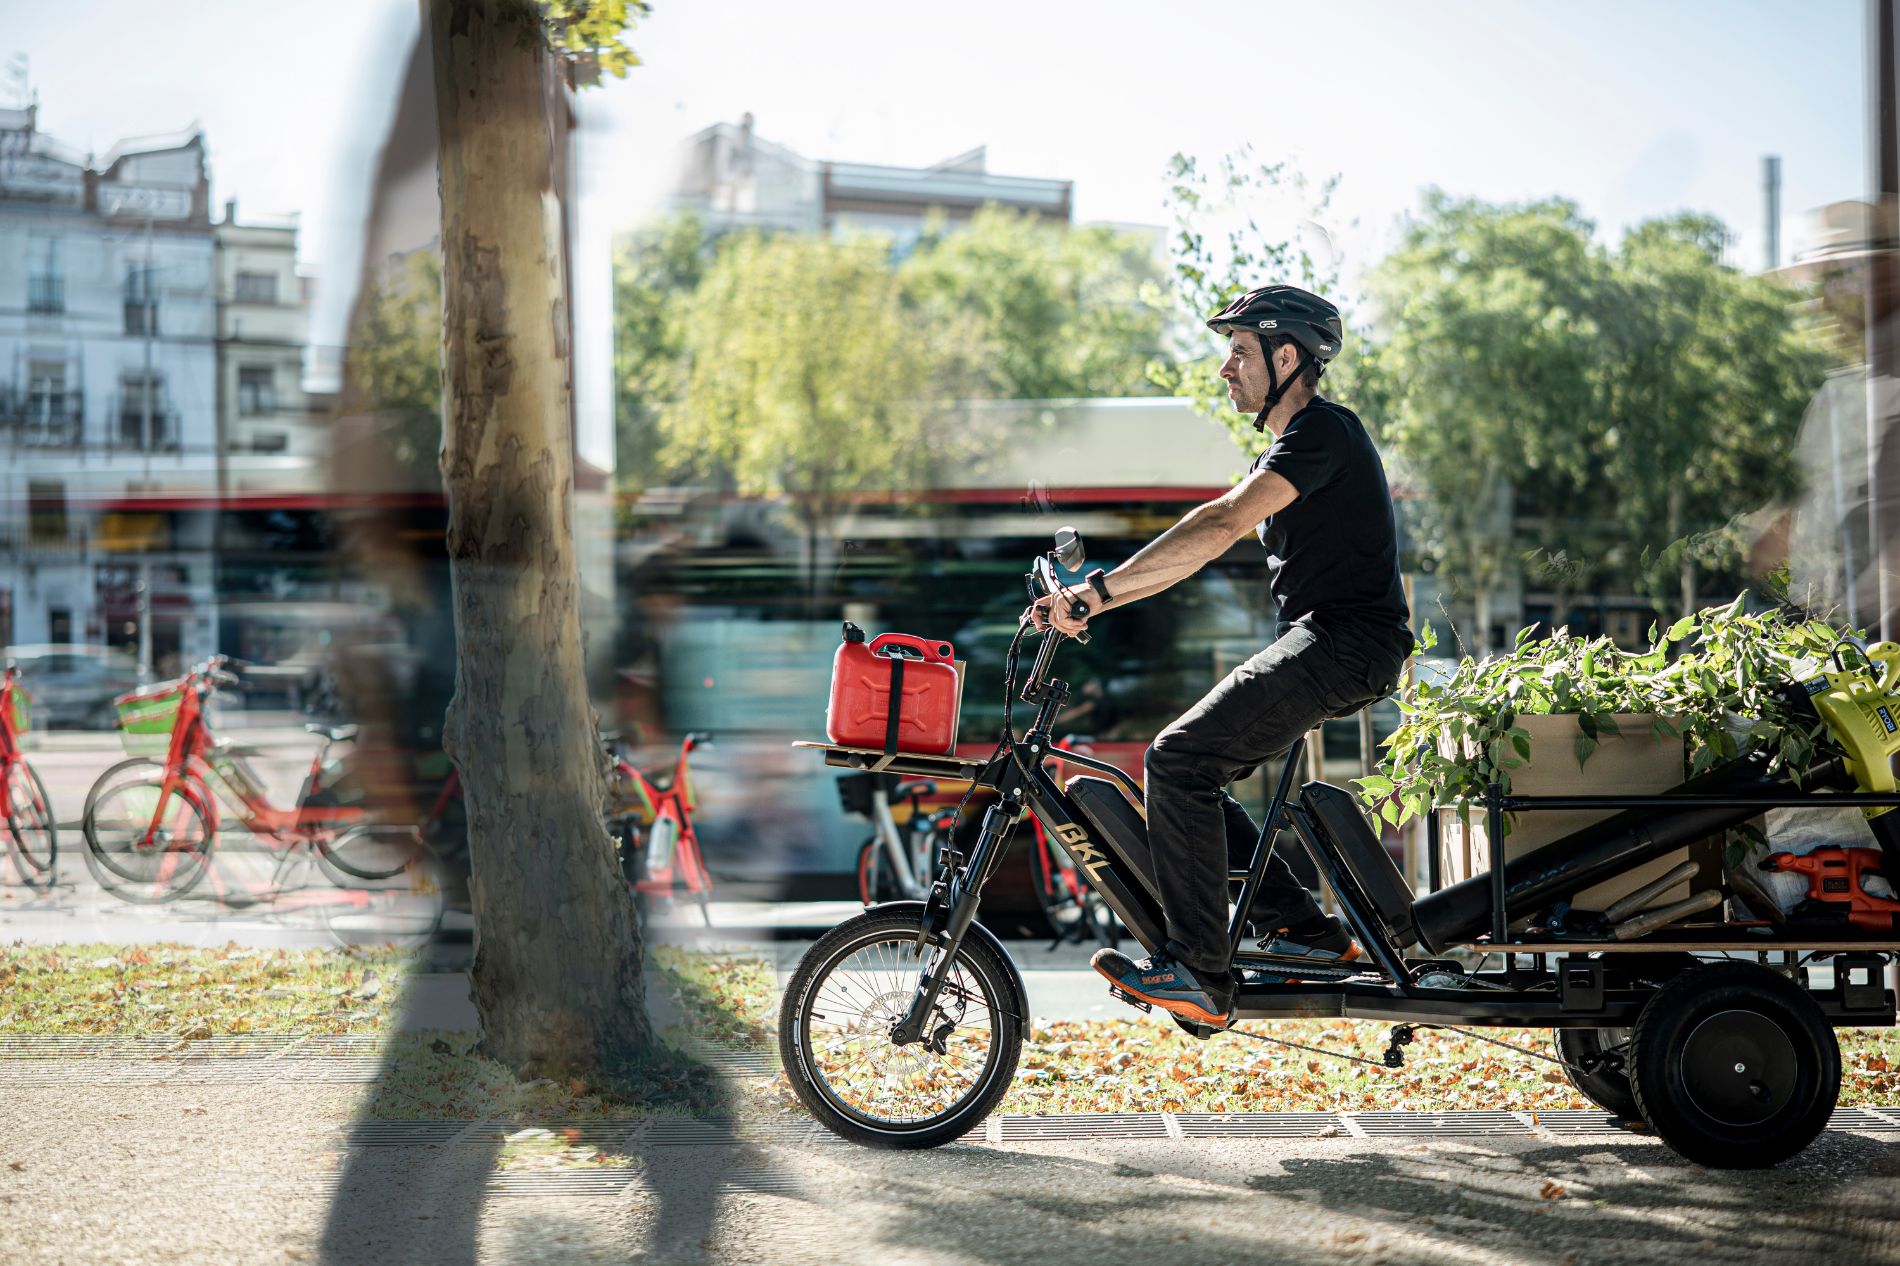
[[835, 1034], [138, 853], [30, 826]]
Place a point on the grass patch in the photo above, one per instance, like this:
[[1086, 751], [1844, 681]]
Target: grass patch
[[173, 991], [723, 997]]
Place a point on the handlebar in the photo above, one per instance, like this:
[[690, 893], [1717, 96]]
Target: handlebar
[[1042, 582]]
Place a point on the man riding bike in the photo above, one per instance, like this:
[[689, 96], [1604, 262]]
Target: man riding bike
[[1319, 502]]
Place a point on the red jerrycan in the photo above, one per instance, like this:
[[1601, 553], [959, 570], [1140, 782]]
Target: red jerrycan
[[896, 693]]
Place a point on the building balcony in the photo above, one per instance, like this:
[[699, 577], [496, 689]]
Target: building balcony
[[42, 421], [136, 432], [45, 296]]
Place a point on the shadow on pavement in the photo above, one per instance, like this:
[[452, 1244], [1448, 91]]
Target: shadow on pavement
[[414, 1203]]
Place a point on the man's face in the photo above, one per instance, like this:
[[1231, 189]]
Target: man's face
[[1245, 372]]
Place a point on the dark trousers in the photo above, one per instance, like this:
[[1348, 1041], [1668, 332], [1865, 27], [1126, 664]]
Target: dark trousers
[[1196, 830]]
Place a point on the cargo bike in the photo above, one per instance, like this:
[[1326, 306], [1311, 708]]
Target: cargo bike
[[902, 1027]]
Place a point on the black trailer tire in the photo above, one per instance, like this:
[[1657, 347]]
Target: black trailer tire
[[1734, 1066], [1607, 1088]]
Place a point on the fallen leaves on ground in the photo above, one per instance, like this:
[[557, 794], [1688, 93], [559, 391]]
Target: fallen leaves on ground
[[193, 994]]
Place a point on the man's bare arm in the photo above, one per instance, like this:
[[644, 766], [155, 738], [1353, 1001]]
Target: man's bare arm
[[1203, 535]]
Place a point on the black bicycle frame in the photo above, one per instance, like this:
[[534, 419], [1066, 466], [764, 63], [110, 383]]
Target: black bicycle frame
[[1394, 991]]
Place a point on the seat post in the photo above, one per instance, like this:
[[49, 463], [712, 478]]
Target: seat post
[[1263, 849]]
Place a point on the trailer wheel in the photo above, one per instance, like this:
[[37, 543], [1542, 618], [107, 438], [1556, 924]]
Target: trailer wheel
[[1734, 1066], [1606, 1085]]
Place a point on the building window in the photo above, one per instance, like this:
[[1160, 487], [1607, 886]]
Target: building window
[[257, 390], [45, 288], [142, 416], [46, 511], [257, 288], [141, 302], [270, 442], [45, 390]]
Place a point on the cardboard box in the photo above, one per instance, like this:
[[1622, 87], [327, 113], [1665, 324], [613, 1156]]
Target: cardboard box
[[1634, 762]]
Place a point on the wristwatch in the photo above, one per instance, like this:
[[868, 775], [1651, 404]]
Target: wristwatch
[[1099, 584]]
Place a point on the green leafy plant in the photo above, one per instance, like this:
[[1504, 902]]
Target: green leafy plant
[[1715, 677]]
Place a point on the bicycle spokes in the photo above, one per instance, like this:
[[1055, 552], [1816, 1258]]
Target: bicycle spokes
[[853, 1057]]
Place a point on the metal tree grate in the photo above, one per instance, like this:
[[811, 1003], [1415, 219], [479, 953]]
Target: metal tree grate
[[405, 1133], [339, 1070], [60, 1046], [573, 1133], [233, 1046], [218, 1072], [1257, 1125], [762, 1180], [1438, 1124], [603, 1180], [85, 1072], [1093, 1125], [1861, 1119], [1568, 1121]]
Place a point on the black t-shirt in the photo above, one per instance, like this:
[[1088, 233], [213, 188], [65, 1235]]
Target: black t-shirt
[[1333, 555]]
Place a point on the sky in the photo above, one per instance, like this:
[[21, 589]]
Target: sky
[[1629, 107]]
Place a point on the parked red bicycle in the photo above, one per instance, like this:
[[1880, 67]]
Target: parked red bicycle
[[151, 822], [31, 835], [659, 849]]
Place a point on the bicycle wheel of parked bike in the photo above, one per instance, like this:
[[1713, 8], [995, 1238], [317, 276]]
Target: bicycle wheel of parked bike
[[30, 826], [834, 1034], [367, 853], [135, 853], [876, 881], [401, 904]]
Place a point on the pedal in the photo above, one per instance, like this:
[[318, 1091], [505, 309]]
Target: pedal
[[1122, 995]]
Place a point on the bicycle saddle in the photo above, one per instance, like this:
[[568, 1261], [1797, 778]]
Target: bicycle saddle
[[905, 790], [335, 733]]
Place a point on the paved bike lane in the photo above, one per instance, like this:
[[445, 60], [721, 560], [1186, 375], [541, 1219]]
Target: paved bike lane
[[197, 1170]]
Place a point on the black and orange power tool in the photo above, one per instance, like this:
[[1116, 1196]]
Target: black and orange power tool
[[1835, 892]]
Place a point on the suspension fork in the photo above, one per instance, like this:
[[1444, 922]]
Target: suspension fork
[[963, 893]]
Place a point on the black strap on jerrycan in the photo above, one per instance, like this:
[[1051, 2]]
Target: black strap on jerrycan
[[894, 707]]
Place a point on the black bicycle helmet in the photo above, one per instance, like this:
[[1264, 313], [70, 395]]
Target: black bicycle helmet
[[1301, 315]]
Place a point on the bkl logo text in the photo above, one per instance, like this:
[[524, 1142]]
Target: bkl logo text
[[1076, 841]]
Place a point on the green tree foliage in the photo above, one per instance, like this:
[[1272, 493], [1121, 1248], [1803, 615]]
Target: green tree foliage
[[1493, 366], [1710, 376], [1611, 411], [396, 363], [656, 271], [806, 376], [1222, 245], [587, 34], [1038, 311]]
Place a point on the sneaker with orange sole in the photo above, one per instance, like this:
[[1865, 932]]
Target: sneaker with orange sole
[[1159, 981]]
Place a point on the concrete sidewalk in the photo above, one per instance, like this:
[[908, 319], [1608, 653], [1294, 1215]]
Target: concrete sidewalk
[[196, 1168]]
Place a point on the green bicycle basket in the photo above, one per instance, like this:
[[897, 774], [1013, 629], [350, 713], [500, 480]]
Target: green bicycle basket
[[20, 708], [146, 716]]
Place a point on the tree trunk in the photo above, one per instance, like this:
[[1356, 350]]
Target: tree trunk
[[1481, 610], [557, 974]]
